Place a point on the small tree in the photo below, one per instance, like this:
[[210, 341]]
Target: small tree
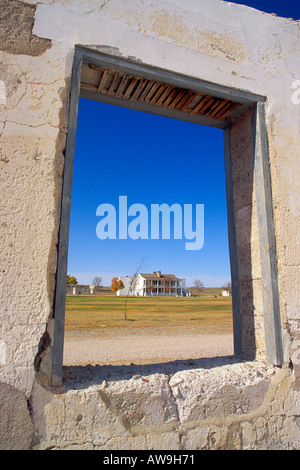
[[71, 280], [97, 281], [227, 286], [116, 284], [198, 285]]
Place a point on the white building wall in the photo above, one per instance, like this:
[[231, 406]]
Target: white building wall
[[136, 288], [126, 281]]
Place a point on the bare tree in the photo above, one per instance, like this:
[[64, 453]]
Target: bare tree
[[132, 285], [97, 281], [227, 286], [198, 285]]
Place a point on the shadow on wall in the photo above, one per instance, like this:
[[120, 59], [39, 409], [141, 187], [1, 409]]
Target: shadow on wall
[[80, 377], [243, 197]]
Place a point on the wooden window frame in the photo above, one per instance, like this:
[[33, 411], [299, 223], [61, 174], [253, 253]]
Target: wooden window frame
[[267, 239]]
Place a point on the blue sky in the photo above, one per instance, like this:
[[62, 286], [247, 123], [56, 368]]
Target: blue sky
[[286, 8], [151, 160]]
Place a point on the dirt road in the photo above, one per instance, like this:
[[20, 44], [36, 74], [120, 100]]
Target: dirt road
[[122, 347]]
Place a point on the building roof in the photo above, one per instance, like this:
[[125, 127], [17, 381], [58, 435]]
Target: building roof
[[155, 276]]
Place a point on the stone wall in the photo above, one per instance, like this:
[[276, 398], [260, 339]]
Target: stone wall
[[207, 405], [215, 404]]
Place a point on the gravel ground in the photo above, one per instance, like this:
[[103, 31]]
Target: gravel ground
[[124, 347]]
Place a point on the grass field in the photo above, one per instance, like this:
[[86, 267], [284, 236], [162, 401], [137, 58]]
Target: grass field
[[107, 312]]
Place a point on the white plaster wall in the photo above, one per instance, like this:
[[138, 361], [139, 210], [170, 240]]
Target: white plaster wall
[[31, 160], [208, 39]]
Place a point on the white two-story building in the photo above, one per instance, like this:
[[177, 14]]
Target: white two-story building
[[153, 284]]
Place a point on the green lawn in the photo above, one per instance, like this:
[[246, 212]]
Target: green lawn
[[94, 312]]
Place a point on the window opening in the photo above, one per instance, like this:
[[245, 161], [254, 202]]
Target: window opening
[[237, 104], [127, 163]]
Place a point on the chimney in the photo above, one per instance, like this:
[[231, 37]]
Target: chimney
[[154, 272], [158, 273]]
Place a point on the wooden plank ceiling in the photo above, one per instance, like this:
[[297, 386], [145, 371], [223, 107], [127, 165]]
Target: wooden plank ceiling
[[119, 84]]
